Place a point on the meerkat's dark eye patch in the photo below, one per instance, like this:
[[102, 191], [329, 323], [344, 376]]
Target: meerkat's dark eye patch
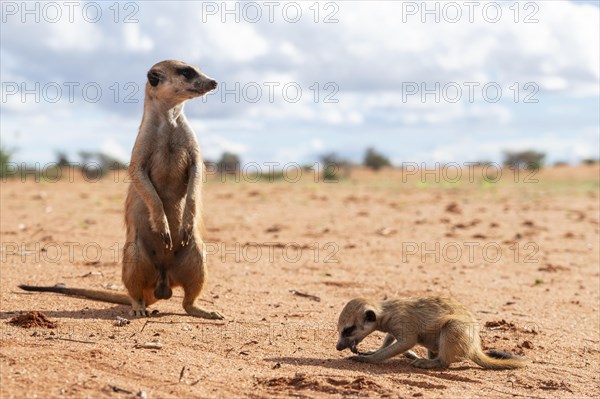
[[348, 331], [154, 77], [188, 72]]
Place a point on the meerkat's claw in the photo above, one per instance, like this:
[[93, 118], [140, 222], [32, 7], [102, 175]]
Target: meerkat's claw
[[198, 312], [216, 316], [187, 237], [166, 237], [365, 353], [139, 313]]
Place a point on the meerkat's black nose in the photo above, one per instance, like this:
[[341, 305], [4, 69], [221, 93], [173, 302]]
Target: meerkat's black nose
[[212, 84], [339, 346]]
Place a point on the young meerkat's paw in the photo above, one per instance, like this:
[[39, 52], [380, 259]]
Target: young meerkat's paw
[[365, 353]]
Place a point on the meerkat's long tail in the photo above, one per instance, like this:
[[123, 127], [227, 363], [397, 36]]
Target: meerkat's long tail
[[495, 360], [96, 295]]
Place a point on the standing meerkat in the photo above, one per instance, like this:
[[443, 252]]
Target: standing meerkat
[[163, 207], [442, 325], [163, 212]]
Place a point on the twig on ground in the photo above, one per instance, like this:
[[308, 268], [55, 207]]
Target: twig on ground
[[305, 295]]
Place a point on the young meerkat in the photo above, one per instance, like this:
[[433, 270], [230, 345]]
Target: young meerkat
[[441, 324], [163, 213]]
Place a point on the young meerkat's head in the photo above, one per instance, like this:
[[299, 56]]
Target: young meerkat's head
[[357, 320], [174, 82]]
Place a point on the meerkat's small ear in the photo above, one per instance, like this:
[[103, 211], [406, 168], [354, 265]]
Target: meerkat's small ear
[[370, 316], [154, 77]]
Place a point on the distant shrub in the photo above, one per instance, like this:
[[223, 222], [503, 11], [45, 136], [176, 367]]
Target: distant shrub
[[560, 163], [62, 159], [94, 162], [532, 160], [374, 160], [590, 161], [229, 163], [335, 167], [4, 160]]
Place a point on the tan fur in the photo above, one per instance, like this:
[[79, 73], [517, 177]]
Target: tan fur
[[163, 214], [441, 324]]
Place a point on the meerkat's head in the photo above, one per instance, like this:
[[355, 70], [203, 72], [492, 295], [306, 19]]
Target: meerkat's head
[[174, 82], [357, 320]]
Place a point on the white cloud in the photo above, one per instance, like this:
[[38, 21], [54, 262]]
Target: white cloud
[[213, 146], [76, 36], [114, 149], [369, 54], [236, 42], [135, 40]]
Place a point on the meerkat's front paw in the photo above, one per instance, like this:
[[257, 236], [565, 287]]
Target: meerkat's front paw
[[161, 226], [187, 235], [365, 353]]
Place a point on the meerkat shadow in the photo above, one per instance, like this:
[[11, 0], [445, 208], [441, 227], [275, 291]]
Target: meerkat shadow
[[391, 366], [109, 313], [394, 366]]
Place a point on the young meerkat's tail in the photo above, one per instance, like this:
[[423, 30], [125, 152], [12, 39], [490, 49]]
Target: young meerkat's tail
[[96, 295], [495, 360]]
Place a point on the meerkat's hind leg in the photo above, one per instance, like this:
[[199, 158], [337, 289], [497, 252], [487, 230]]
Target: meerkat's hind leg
[[452, 342], [194, 310], [190, 307], [192, 287]]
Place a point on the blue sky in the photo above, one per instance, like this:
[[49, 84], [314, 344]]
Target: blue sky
[[370, 58]]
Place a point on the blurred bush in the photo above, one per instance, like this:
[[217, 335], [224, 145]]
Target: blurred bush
[[335, 167], [374, 160], [229, 163], [529, 159], [4, 160]]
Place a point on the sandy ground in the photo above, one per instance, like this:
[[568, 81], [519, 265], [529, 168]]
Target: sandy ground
[[523, 257]]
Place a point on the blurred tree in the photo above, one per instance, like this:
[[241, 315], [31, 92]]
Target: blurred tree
[[375, 160], [333, 164], [229, 163], [524, 159], [4, 160], [62, 159]]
